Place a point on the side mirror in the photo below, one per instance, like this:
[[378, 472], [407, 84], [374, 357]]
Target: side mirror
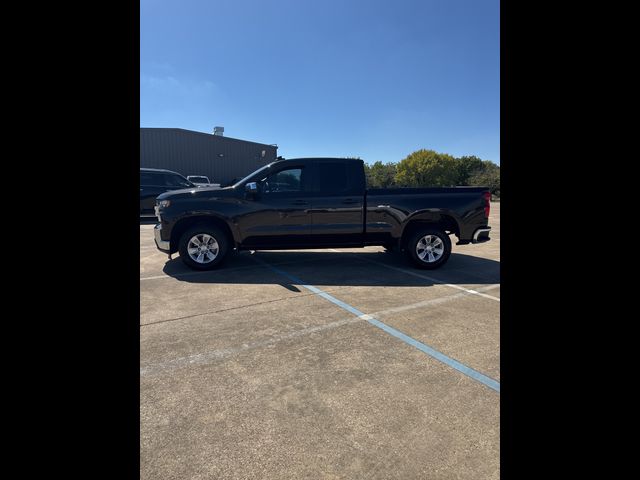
[[251, 189]]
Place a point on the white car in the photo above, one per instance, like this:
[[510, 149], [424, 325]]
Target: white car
[[201, 181]]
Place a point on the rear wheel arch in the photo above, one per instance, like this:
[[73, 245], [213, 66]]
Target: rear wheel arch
[[444, 222], [428, 246]]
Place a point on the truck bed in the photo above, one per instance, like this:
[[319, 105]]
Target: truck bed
[[427, 190], [387, 209]]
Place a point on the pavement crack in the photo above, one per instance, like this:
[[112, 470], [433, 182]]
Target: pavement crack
[[228, 309]]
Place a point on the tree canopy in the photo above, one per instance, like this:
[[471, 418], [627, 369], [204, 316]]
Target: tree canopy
[[381, 175], [488, 175], [428, 168]]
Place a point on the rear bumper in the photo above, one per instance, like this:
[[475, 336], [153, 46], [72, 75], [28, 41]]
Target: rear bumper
[[481, 235], [162, 245]]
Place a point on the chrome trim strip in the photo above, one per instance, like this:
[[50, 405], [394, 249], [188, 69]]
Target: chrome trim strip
[[479, 231]]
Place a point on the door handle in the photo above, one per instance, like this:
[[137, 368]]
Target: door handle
[[300, 202], [350, 201]]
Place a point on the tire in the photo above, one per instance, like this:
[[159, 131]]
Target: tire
[[426, 258], [201, 259]]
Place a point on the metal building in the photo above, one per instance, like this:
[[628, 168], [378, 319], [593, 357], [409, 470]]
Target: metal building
[[220, 158]]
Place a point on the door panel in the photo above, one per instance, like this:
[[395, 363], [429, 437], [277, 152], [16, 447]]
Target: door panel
[[280, 213], [338, 211], [277, 221], [337, 219]]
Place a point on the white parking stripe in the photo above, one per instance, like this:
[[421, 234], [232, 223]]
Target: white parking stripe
[[423, 347], [420, 275], [403, 270], [433, 301], [212, 355]]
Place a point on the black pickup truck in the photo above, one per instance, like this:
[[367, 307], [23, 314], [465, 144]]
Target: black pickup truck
[[318, 203]]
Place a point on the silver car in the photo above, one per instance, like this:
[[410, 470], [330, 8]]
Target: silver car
[[201, 181]]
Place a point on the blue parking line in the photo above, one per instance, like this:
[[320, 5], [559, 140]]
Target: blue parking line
[[432, 352]]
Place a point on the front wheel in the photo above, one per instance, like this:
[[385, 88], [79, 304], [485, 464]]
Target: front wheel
[[429, 248], [203, 247]]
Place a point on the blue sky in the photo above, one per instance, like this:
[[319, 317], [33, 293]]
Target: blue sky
[[372, 79]]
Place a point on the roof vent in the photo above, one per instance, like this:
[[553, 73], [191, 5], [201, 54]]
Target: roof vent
[[218, 131]]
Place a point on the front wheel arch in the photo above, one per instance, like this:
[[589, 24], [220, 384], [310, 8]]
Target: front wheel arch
[[185, 223], [206, 235]]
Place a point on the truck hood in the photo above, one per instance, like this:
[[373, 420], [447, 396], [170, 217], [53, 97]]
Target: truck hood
[[197, 192]]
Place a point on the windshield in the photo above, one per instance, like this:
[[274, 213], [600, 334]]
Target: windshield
[[266, 167], [176, 180], [199, 179]]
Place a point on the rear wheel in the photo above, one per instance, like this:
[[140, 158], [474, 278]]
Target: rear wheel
[[429, 248], [203, 247]]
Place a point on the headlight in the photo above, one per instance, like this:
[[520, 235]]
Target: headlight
[[164, 203]]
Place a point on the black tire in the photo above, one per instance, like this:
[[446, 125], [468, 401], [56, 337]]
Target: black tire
[[198, 231], [390, 247], [429, 234]]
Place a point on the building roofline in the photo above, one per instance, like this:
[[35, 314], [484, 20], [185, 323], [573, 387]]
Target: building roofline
[[211, 135]]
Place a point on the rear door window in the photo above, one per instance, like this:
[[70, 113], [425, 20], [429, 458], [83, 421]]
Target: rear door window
[[339, 178]]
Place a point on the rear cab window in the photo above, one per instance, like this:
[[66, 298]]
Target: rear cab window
[[339, 178]]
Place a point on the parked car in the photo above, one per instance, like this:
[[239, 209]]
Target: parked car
[[318, 203], [231, 183], [153, 182], [201, 181]]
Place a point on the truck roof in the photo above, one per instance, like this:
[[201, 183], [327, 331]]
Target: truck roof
[[321, 159]]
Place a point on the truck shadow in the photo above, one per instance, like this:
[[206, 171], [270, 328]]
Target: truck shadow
[[365, 268]]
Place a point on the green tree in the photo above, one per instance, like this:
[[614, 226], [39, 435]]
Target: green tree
[[488, 175], [427, 168], [380, 175], [466, 166]]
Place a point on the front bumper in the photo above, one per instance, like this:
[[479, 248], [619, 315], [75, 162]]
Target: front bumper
[[163, 246], [481, 235]]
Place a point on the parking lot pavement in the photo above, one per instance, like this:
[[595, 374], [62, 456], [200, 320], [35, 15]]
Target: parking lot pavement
[[264, 368]]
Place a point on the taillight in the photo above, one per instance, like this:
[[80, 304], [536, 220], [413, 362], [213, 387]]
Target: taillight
[[487, 203]]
